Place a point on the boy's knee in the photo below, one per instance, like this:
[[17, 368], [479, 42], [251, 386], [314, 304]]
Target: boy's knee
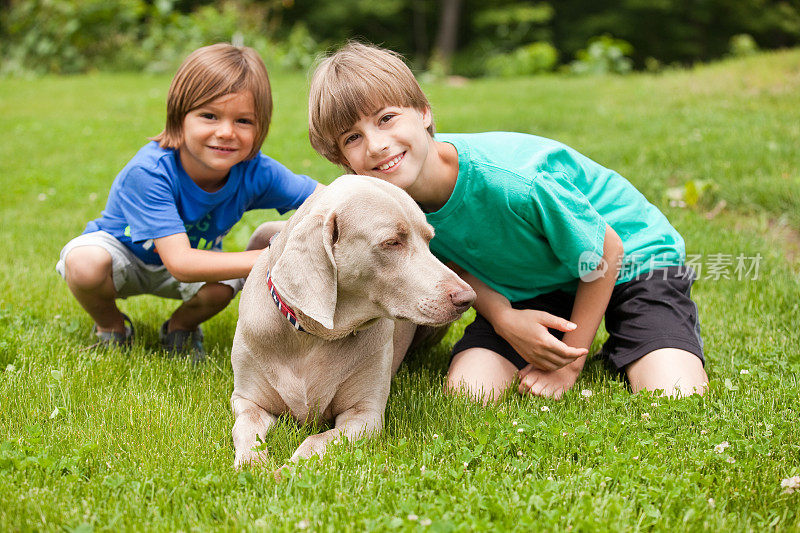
[[674, 372], [214, 295], [481, 374], [87, 267]]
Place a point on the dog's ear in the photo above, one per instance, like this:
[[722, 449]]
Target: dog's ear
[[305, 273]]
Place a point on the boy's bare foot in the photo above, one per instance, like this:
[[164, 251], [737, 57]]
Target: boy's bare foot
[[551, 384]]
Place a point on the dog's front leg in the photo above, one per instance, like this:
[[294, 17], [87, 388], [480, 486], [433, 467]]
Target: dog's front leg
[[353, 424], [404, 334], [251, 421]]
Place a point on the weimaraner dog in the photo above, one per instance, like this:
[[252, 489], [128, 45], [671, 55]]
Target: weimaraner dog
[[329, 310]]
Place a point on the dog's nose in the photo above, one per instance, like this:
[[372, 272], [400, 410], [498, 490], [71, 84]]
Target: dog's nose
[[462, 299]]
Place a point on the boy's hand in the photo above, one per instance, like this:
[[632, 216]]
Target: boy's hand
[[549, 384], [526, 331]]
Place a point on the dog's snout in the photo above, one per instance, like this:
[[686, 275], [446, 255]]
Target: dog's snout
[[462, 299]]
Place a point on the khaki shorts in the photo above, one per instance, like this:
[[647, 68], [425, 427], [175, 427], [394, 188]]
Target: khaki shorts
[[132, 276]]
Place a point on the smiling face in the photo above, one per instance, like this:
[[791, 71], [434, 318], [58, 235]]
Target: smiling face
[[217, 136], [392, 144]]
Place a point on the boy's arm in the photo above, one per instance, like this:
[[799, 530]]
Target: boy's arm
[[526, 329], [592, 296], [188, 264]]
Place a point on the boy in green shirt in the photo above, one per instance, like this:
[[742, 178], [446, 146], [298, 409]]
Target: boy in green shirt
[[550, 240]]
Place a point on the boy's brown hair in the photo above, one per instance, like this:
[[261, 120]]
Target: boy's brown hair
[[357, 80], [208, 73]]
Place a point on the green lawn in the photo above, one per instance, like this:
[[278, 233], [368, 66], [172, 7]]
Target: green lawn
[[134, 441]]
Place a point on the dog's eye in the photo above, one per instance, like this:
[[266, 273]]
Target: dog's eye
[[391, 243]]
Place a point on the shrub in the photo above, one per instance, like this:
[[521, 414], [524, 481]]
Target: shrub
[[742, 45], [65, 36], [71, 36], [530, 59], [603, 55]]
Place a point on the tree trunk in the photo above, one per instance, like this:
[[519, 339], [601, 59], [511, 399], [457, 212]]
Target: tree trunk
[[447, 35], [420, 32]]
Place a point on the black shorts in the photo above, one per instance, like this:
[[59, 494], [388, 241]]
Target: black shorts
[[650, 312]]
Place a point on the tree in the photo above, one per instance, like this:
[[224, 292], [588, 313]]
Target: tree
[[446, 35]]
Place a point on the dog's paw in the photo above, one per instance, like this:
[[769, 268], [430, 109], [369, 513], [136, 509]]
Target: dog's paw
[[313, 445], [251, 458]]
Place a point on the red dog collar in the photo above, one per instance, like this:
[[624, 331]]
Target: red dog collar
[[282, 307]]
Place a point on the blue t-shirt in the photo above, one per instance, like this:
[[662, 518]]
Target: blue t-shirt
[[528, 216], [153, 197]]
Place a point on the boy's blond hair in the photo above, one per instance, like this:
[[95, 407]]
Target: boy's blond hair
[[208, 73], [357, 80]]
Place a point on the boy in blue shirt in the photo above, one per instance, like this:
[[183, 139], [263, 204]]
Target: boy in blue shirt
[[170, 207], [550, 240]]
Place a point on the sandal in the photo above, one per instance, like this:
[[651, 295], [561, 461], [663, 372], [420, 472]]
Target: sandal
[[114, 339], [183, 341]]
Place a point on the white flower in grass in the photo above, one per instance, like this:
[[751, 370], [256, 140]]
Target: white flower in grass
[[303, 524], [520, 430], [712, 503], [744, 371], [586, 393], [514, 423], [719, 448], [731, 460], [425, 522], [654, 404], [42, 197], [413, 517], [545, 408], [92, 196], [703, 431], [519, 453], [646, 416], [466, 464], [790, 484], [422, 469], [435, 436]]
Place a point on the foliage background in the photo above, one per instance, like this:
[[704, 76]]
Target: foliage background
[[468, 37]]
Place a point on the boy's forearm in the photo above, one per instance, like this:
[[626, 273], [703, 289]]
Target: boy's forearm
[[189, 265], [592, 297], [204, 265], [591, 301]]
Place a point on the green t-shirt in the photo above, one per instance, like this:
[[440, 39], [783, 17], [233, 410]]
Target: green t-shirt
[[528, 216]]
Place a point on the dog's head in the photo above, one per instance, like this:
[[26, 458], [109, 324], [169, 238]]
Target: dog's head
[[358, 250]]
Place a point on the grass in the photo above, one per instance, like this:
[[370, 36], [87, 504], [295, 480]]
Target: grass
[[134, 441]]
